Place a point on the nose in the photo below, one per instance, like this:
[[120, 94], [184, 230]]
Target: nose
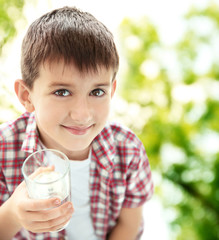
[[80, 110]]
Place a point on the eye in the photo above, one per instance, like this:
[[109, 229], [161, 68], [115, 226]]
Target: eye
[[62, 93], [97, 92]]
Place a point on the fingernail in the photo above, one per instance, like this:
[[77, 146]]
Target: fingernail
[[69, 205], [57, 201]]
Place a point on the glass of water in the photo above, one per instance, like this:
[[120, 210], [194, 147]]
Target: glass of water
[[47, 175]]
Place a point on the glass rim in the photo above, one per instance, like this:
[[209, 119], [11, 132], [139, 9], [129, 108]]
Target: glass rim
[[44, 150]]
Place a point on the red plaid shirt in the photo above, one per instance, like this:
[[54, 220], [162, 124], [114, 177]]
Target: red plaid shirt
[[120, 174]]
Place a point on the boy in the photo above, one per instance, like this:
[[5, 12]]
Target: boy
[[69, 63]]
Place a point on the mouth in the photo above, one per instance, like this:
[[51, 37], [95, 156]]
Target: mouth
[[77, 130]]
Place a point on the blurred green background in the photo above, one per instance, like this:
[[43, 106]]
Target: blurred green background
[[176, 90], [170, 98]]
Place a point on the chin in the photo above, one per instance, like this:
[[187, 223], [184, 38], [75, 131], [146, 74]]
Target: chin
[[76, 148]]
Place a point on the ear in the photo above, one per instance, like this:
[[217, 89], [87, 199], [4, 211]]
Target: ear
[[113, 87], [23, 94]]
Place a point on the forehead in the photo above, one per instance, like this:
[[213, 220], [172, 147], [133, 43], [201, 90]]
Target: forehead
[[59, 70]]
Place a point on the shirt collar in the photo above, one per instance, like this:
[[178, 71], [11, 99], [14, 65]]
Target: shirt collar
[[31, 141], [103, 149]]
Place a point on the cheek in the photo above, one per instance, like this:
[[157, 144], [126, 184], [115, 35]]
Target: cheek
[[101, 111], [47, 114]]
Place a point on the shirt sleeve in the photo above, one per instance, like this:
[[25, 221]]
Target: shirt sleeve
[[4, 194], [139, 180]]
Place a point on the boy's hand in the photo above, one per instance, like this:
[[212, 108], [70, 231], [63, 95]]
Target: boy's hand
[[37, 215]]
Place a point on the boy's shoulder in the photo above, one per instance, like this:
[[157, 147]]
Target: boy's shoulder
[[119, 144], [120, 134], [11, 129]]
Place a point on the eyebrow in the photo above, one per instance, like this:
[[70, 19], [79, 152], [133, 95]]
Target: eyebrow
[[102, 85], [59, 84]]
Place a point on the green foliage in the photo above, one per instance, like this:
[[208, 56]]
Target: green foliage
[[181, 134], [10, 11], [10, 14]]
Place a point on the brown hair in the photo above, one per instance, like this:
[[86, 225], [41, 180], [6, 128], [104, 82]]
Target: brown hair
[[72, 35]]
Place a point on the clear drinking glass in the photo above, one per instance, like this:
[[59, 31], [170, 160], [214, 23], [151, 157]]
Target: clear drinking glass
[[47, 175]]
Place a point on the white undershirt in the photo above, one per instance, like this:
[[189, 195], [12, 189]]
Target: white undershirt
[[80, 226]]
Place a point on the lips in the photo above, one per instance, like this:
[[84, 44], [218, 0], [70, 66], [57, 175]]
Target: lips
[[76, 130]]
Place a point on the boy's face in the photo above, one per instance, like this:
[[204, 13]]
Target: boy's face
[[71, 108]]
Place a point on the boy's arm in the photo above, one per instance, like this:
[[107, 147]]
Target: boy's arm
[[21, 211], [8, 224], [128, 224]]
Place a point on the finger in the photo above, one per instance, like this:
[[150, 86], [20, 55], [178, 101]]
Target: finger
[[61, 225], [49, 229], [53, 224], [41, 204], [47, 215], [41, 170]]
